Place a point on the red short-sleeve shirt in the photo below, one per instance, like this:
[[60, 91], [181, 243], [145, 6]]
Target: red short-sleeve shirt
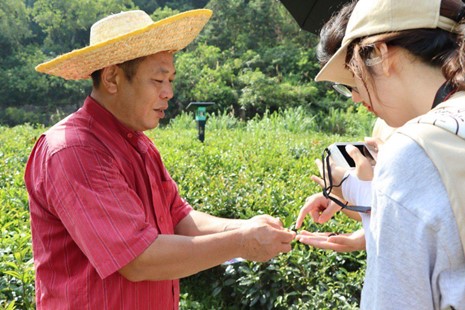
[[99, 195]]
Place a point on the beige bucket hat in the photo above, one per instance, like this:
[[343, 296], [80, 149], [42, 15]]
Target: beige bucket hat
[[371, 17], [125, 36]]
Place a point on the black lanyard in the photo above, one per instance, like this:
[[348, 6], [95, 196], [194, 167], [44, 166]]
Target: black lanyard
[[444, 92]]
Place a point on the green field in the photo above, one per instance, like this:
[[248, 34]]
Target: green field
[[242, 169]]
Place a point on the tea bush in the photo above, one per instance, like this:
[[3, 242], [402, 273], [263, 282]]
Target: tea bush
[[16, 264], [242, 169]]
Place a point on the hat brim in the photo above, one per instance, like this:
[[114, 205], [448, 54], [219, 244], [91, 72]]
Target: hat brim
[[335, 69], [170, 34]]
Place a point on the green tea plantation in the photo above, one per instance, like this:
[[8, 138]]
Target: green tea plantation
[[240, 170]]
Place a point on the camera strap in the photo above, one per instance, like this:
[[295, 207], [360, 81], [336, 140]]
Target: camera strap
[[444, 92], [327, 177]]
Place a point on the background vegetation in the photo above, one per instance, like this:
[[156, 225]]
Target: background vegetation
[[250, 58], [242, 169], [269, 123]]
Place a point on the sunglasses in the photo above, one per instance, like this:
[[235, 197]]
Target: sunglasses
[[344, 90], [327, 178]]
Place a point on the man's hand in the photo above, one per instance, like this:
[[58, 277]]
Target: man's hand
[[265, 219], [262, 241]]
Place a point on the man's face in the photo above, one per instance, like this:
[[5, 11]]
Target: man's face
[[141, 102]]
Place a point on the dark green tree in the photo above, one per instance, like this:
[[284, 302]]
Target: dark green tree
[[14, 26], [252, 57], [67, 23]]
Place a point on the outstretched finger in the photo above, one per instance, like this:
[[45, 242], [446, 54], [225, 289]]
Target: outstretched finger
[[319, 240], [328, 213], [328, 241], [318, 180], [313, 206], [302, 214], [319, 164]]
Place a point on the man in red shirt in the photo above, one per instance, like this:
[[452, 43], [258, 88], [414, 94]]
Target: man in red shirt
[[109, 228]]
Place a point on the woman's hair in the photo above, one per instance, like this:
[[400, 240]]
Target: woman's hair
[[435, 47], [332, 33]]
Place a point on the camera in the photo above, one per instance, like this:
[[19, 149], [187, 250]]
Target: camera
[[341, 158]]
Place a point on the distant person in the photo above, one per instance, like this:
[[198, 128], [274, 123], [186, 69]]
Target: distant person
[[404, 61], [109, 229]]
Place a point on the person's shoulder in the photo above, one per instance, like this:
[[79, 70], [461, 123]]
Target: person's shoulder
[[407, 176], [403, 167], [76, 130], [400, 153]]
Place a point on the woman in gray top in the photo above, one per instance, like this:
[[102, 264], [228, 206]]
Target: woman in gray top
[[402, 59]]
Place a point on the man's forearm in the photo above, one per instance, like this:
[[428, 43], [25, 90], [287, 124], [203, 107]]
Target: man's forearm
[[174, 256], [198, 223]]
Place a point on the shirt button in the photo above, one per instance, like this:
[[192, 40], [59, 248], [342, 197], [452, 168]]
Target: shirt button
[[130, 135], [161, 219]]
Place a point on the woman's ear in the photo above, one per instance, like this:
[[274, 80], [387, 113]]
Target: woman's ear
[[386, 62], [109, 79]]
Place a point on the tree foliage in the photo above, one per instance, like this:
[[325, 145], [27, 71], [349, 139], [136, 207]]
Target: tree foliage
[[250, 58], [66, 24], [14, 28]]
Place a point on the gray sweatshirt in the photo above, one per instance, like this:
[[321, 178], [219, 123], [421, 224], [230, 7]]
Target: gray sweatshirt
[[415, 258]]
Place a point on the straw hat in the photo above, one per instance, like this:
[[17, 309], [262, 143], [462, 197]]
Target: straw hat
[[371, 17], [125, 36]]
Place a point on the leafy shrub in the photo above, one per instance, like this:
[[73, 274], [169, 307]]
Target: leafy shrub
[[13, 116], [263, 167], [242, 169], [16, 264], [354, 121]]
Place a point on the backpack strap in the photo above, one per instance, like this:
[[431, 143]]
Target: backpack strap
[[441, 134], [447, 152]]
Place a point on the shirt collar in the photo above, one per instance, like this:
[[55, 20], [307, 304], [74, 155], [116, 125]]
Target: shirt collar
[[111, 123]]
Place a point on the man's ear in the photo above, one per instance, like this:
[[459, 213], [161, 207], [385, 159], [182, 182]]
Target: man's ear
[[109, 79]]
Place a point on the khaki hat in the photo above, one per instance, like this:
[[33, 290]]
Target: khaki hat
[[371, 17], [126, 36]]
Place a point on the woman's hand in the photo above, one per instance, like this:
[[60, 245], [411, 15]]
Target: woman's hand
[[319, 207], [363, 168], [337, 174], [329, 241]]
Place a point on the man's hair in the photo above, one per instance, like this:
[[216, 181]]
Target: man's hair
[[129, 68]]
